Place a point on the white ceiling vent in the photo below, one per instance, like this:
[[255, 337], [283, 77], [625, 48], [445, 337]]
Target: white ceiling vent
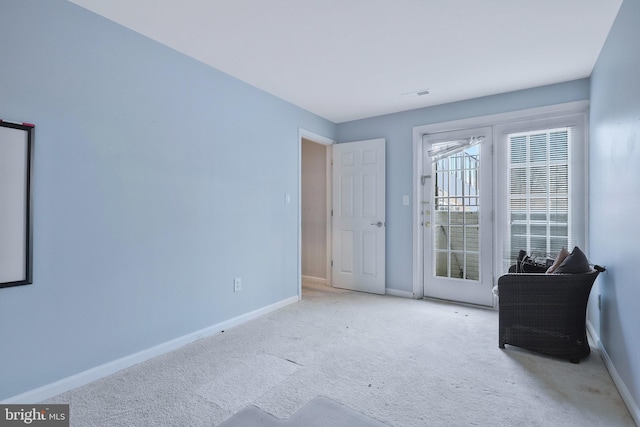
[[414, 94]]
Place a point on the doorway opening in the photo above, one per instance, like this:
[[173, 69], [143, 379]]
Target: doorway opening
[[314, 246]]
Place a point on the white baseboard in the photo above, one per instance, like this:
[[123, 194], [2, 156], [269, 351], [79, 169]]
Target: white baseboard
[[632, 406], [53, 389], [398, 293], [312, 279]]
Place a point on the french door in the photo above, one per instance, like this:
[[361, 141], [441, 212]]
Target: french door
[[456, 211]]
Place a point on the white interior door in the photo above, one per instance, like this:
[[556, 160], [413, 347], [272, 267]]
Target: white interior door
[[457, 205], [358, 222]]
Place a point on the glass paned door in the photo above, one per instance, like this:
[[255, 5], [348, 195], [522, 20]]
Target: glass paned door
[[457, 203]]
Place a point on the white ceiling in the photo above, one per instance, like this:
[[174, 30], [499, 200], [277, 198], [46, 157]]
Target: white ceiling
[[351, 59]]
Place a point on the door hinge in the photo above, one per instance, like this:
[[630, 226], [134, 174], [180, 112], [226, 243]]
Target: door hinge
[[331, 263]]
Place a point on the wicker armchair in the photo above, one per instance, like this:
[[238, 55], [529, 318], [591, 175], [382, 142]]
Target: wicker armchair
[[546, 313]]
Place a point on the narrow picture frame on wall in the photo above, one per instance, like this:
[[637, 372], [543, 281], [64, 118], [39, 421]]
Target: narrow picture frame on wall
[[16, 228]]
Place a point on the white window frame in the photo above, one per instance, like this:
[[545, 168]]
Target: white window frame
[[578, 179]]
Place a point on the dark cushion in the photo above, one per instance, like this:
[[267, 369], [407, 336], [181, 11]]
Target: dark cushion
[[575, 263]]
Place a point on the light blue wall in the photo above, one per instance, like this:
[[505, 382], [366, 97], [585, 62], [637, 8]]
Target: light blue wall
[[157, 181], [614, 193], [398, 131]]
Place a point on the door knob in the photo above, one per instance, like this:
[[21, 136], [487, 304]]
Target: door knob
[[377, 224]]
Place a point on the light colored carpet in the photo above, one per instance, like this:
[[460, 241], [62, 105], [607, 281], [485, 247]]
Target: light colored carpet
[[250, 378], [402, 362], [319, 412]]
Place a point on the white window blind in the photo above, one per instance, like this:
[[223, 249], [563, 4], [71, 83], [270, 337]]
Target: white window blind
[[539, 196]]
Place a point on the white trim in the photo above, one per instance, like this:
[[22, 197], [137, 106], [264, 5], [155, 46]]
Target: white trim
[[504, 118], [303, 133], [398, 293], [418, 285], [492, 120], [632, 406], [318, 280], [329, 244], [319, 139], [53, 389]]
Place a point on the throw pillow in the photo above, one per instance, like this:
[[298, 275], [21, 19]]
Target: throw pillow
[[564, 253], [576, 262]]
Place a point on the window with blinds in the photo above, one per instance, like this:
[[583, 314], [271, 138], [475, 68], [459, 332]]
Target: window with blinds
[[539, 192]]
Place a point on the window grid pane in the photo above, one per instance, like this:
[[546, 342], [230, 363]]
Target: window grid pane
[[455, 219]]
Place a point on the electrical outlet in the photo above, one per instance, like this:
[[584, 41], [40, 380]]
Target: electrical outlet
[[237, 284]]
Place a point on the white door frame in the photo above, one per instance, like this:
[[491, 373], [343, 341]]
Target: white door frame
[[318, 139], [480, 121]]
